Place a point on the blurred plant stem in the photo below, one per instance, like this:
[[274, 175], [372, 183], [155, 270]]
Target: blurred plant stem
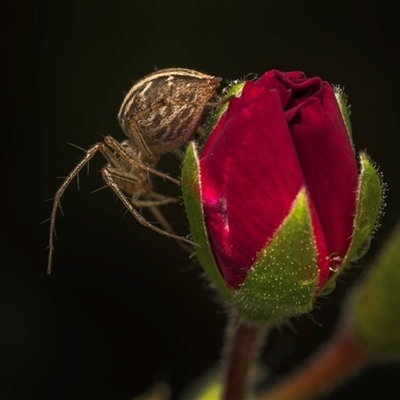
[[341, 359], [243, 342]]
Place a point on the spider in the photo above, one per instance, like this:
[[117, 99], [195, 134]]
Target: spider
[[158, 115]]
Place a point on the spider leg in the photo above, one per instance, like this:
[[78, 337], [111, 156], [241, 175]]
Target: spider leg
[[116, 146], [152, 198], [155, 203], [167, 227], [159, 196], [140, 142], [108, 178], [136, 136], [57, 198], [126, 176]]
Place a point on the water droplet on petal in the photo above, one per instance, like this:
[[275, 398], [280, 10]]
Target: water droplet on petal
[[335, 261]]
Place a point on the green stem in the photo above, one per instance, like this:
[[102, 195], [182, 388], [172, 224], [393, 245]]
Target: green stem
[[243, 343], [339, 361]]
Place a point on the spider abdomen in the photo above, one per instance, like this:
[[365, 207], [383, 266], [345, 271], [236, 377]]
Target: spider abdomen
[[166, 107]]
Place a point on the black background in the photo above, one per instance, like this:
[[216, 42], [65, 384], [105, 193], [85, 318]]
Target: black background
[[124, 307]]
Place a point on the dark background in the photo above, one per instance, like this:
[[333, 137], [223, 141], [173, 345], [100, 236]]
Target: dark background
[[125, 307]]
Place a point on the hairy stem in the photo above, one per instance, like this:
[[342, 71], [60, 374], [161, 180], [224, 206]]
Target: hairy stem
[[243, 344]]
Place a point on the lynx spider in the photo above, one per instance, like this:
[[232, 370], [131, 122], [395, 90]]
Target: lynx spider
[[159, 114]]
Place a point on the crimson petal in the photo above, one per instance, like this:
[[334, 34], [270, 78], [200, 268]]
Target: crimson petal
[[250, 175]]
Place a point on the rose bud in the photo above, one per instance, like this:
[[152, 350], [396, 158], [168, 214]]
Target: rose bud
[[275, 198]]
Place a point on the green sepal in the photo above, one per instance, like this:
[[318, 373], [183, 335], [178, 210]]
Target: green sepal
[[341, 98], [329, 286], [369, 201], [191, 190], [233, 90], [283, 280], [373, 310]]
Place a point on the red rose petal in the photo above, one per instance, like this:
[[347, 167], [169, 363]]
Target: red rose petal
[[250, 177], [329, 166]]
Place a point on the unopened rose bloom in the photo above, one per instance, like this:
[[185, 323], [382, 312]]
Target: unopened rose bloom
[[281, 205]]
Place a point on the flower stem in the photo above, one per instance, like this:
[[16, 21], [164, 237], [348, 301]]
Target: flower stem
[[243, 343], [339, 361]]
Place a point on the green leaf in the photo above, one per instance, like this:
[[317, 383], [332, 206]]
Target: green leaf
[[191, 189], [283, 281], [373, 310]]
